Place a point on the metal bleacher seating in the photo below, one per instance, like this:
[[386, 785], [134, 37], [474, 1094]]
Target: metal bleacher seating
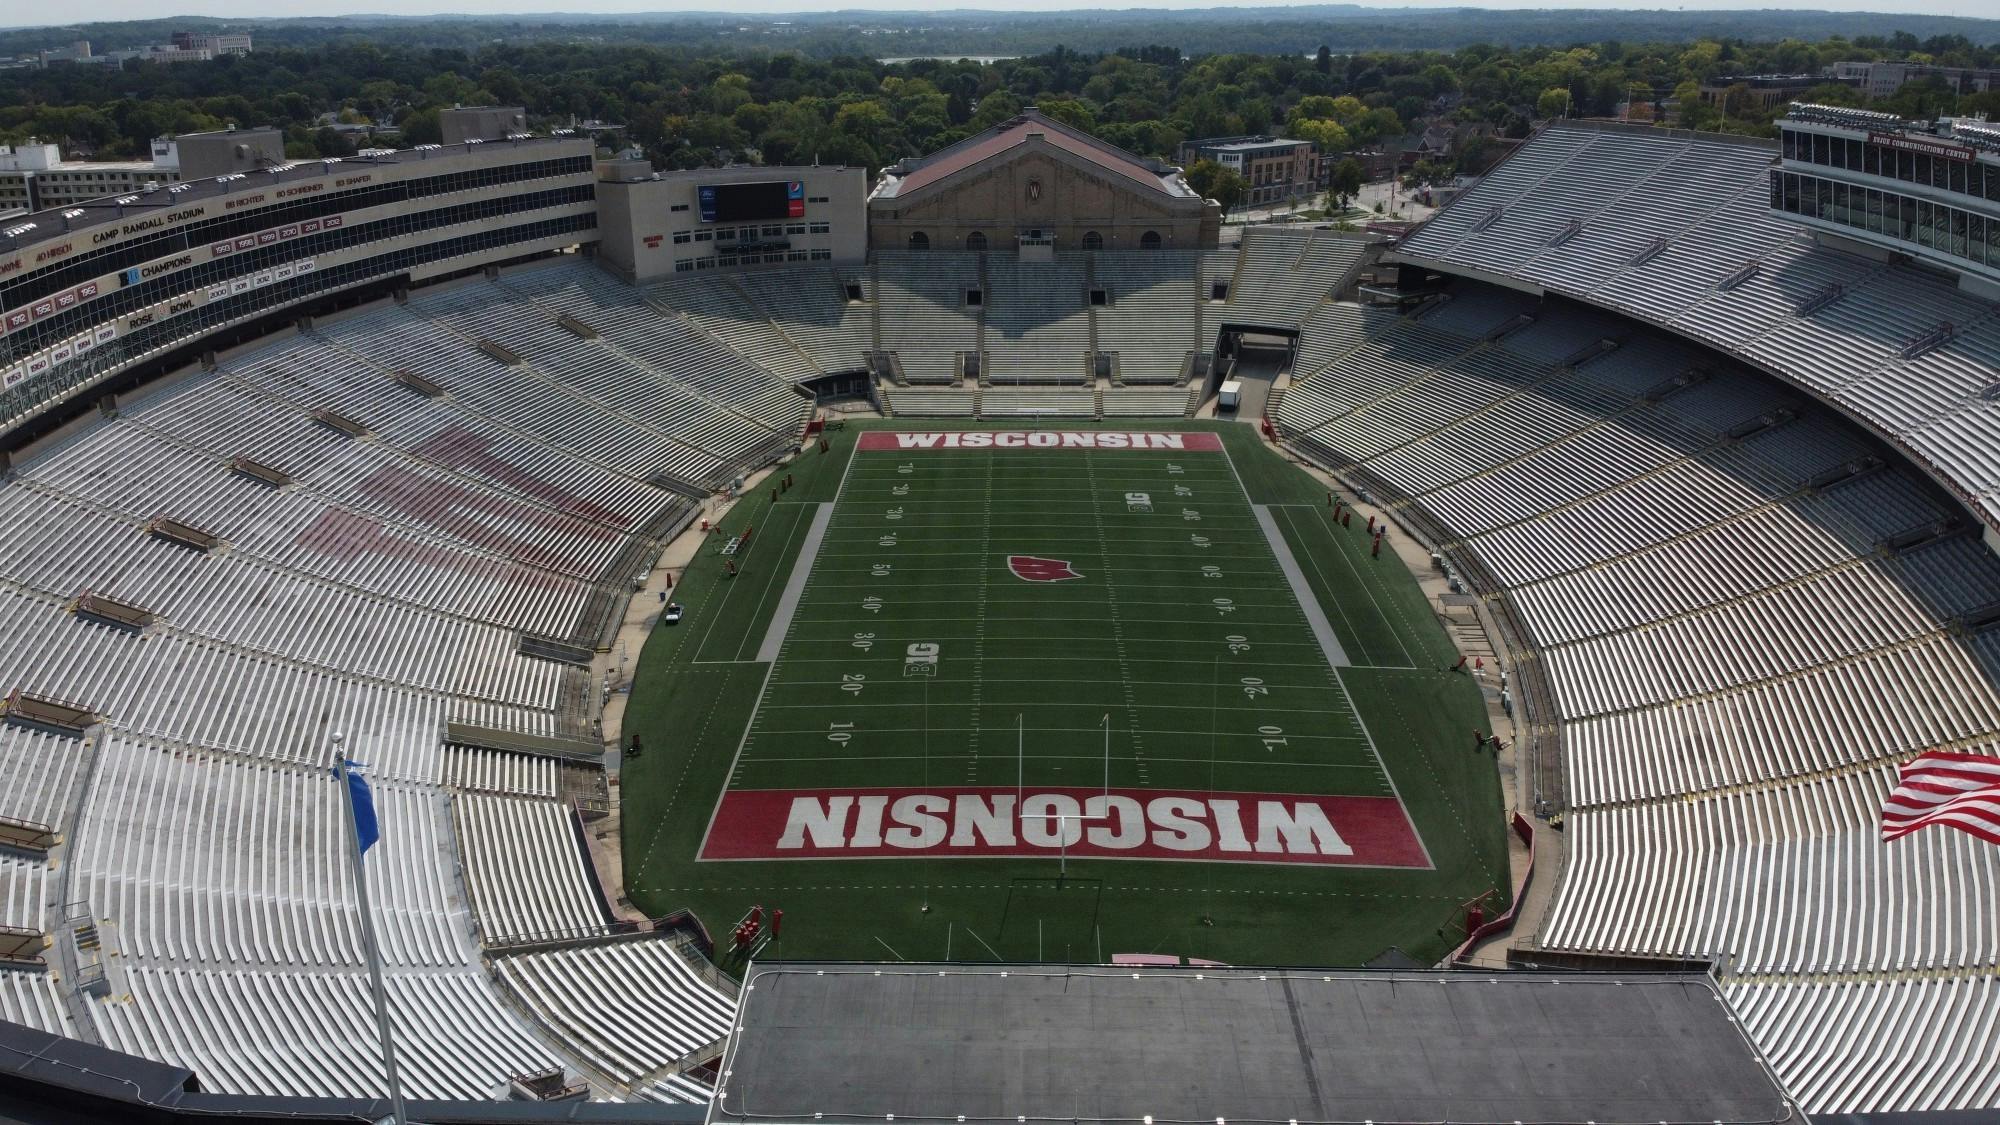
[[810, 305], [924, 317], [932, 402], [1037, 322], [723, 310], [1284, 274], [1150, 318], [1712, 262], [524, 868], [355, 529], [1736, 649], [1040, 402], [632, 1007]]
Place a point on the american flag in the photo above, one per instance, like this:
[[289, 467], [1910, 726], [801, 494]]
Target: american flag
[[1959, 791]]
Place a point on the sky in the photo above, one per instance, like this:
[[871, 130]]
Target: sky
[[111, 10]]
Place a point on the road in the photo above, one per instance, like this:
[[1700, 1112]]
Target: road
[[1371, 193]]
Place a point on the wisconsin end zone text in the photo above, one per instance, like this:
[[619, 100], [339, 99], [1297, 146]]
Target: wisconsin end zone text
[[887, 442], [997, 822]]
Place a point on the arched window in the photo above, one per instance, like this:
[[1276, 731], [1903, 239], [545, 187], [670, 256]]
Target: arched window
[[1093, 240], [976, 240], [1150, 240], [919, 240]]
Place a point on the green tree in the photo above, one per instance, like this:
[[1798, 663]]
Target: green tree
[[1345, 183], [1070, 112], [420, 127], [1553, 102], [1328, 135], [1428, 172], [1213, 181]]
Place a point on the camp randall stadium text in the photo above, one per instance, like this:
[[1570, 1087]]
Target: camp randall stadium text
[[998, 822], [886, 441]]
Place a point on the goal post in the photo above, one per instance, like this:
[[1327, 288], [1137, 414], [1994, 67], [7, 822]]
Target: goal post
[[1062, 820]]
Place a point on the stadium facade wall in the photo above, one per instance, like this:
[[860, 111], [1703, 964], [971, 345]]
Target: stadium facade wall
[[654, 224], [85, 298], [1045, 191]]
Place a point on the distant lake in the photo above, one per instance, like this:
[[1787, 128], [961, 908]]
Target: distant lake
[[982, 60]]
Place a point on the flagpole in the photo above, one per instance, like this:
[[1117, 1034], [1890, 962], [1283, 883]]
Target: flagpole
[[398, 1112]]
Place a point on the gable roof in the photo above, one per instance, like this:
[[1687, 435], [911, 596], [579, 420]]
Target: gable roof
[[1017, 132]]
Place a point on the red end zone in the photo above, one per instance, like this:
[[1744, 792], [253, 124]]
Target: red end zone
[[878, 441], [996, 822]]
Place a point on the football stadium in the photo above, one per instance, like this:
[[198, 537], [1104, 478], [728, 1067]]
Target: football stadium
[[493, 634]]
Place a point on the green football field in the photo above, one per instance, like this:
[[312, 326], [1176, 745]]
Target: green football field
[[1058, 703]]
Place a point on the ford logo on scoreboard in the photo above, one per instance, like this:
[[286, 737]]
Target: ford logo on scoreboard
[[705, 194]]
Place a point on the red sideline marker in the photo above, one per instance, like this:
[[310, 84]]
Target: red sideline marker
[[989, 822], [878, 441]]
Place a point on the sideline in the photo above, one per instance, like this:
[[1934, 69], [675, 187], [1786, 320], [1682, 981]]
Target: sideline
[[795, 586], [1301, 591]]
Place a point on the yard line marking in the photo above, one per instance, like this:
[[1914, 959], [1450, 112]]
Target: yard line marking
[[1117, 628], [1302, 592], [979, 617], [729, 591], [795, 585], [1093, 705], [1382, 768], [1062, 680], [1094, 758], [729, 778], [1044, 659], [1363, 583]]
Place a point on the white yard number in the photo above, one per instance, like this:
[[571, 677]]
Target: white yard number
[[1211, 572], [871, 604], [1183, 490], [879, 570], [1190, 515], [839, 733], [1138, 502], [886, 541], [1223, 605], [1254, 687], [1173, 470], [906, 468], [1201, 541], [1273, 736], [895, 513], [900, 490], [863, 641], [1237, 642], [851, 683]]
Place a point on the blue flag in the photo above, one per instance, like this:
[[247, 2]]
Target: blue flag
[[365, 828]]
